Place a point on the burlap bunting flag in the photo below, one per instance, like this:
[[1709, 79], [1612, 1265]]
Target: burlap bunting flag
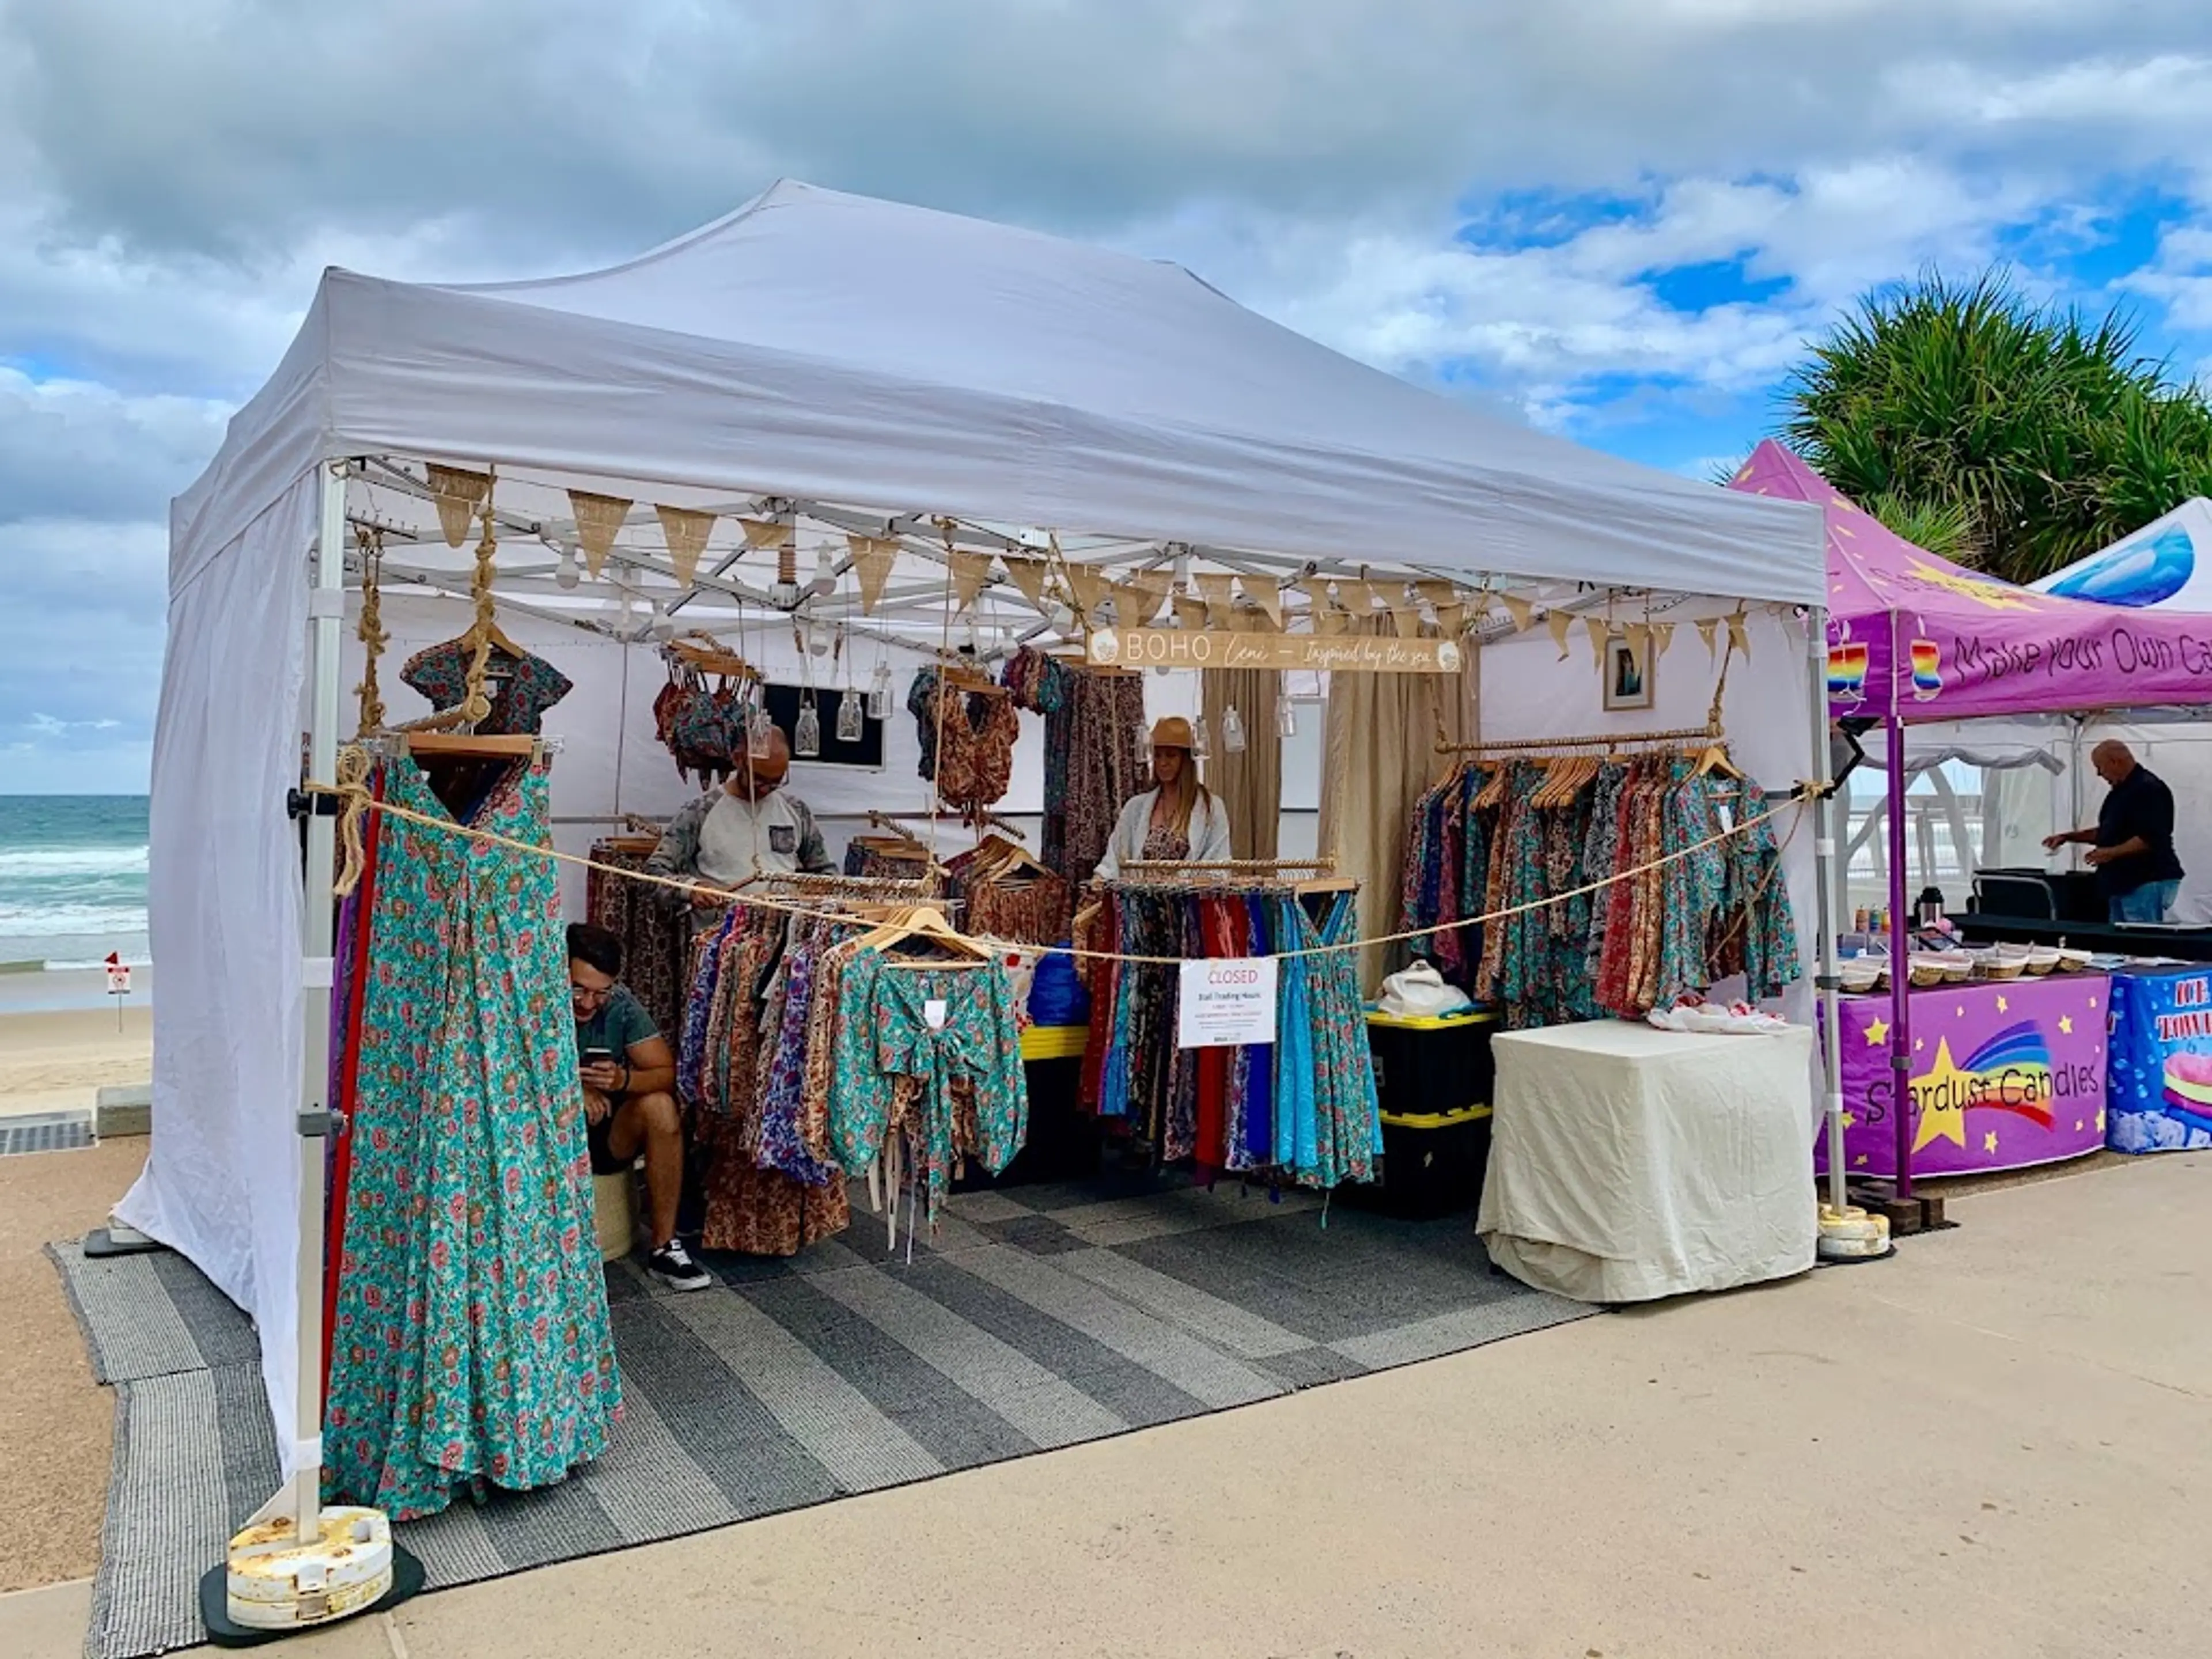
[[1598, 630], [1739, 635], [1663, 636], [873, 558], [765, 532], [1268, 596], [1356, 598], [459, 495], [1135, 604], [1559, 622], [970, 572], [1027, 575], [1708, 630], [599, 519], [1451, 618], [1437, 593], [1190, 613], [1406, 619], [1219, 591], [1639, 638], [1523, 612], [1088, 584], [686, 534]]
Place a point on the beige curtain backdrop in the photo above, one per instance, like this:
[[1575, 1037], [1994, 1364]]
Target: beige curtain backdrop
[[1381, 754], [1250, 784]]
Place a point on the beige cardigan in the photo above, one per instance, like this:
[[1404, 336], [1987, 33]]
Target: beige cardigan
[[1209, 833]]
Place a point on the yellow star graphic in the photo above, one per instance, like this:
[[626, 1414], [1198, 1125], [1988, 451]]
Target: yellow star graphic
[[1989, 1143], [1998, 596], [1859, 1163], [2003, 1007], [1877, 1033], [1851, 1118], [2066, 1024], [1947, 1086], [2100, 1120]]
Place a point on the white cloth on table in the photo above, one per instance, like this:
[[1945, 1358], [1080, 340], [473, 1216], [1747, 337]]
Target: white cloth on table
[[1628, 1164]]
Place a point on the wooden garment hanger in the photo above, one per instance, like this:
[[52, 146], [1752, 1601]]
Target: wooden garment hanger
[[1714, 758], [924, 924], [968, 680], [466, 745], [1001, 855]]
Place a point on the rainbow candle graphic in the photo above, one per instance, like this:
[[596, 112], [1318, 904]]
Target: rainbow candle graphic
[[1847, 671], [1927, 669]]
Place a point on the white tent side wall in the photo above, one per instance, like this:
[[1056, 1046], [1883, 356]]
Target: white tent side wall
[[222, 1180]]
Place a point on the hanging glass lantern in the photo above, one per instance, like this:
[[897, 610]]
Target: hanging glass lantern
[[760, 732], [1201, 741], [879, 693], [1286, 717], [1144, 746], [849, 715], [1232, 730], [806, 732]]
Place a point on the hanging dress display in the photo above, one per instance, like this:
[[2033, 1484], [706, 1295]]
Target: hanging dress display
[[1092, 765], [471, 1338], [521, 687]]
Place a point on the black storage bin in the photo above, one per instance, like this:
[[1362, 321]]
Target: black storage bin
[[1432, 1163], [1433, 1077]]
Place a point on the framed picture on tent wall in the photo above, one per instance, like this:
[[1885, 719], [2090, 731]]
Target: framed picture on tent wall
[[1628, 673]]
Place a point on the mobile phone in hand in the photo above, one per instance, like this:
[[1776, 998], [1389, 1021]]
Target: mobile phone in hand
[[598, 1056]]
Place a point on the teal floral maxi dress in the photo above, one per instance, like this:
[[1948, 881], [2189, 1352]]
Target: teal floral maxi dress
[[471, 1337]]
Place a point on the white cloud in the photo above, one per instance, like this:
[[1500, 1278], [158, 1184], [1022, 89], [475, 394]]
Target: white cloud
[[173, 178]]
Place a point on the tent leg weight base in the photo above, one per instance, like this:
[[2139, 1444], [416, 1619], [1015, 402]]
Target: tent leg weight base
[[1907, 1216]]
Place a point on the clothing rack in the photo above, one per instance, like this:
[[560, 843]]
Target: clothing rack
[[859, 886], [1220, 865], [1707, 733], [980, 820]]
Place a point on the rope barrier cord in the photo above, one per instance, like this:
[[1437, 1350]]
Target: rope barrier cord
[[352, 788]]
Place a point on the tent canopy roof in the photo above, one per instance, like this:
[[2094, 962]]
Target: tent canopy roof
[[2165, 566], [827, 348], [1935, 640]]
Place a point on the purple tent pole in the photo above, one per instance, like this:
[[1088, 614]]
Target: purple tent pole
[[1900, 994]]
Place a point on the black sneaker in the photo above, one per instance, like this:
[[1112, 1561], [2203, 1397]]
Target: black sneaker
[[671, 1264]]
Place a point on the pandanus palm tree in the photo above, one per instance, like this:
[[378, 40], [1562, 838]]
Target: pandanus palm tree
[[2007, 435]]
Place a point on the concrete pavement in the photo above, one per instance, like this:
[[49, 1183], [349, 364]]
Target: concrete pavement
[[1999, 1444]]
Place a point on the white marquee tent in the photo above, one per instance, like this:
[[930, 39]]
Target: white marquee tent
[[855, 361]]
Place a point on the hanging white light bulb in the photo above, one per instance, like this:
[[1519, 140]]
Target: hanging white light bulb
[[825, 570], [661, 627], [565, 573], [1201, 741], [807, 732], [1286, 717], [879, 692], [1232, 730]]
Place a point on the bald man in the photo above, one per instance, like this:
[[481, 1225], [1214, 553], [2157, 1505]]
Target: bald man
[[750, 826], [2133, 842]]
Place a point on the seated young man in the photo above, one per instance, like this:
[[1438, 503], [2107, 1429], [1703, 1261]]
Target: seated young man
[[629, 1074]]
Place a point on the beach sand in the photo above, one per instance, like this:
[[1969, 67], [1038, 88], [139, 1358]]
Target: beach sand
[[54, 1420], [56, 1059]]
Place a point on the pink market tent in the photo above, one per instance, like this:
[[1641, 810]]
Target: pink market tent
[[1914, 638]]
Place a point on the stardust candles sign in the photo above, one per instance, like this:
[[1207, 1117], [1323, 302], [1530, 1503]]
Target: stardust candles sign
[[2162, 1062], [2003, 1075]]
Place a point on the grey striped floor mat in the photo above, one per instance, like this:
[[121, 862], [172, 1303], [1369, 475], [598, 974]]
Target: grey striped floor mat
[[1039, 1317]]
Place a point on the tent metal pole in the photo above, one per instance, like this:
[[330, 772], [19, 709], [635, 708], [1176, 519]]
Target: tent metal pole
[[1824, 865], [301, 1500]]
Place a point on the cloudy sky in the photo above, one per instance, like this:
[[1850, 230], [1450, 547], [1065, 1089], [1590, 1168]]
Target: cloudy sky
[[1620, 218]]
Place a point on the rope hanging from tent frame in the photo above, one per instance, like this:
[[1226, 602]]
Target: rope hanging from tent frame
[[370, 629], [476, 701]]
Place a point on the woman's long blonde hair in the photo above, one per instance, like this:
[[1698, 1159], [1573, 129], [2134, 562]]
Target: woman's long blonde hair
[[1186, 792]]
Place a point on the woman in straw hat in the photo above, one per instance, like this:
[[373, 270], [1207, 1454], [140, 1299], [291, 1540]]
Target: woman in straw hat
[[1178, 819]]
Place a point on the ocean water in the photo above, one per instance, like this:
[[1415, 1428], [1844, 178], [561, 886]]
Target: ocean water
[[72, 879]]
